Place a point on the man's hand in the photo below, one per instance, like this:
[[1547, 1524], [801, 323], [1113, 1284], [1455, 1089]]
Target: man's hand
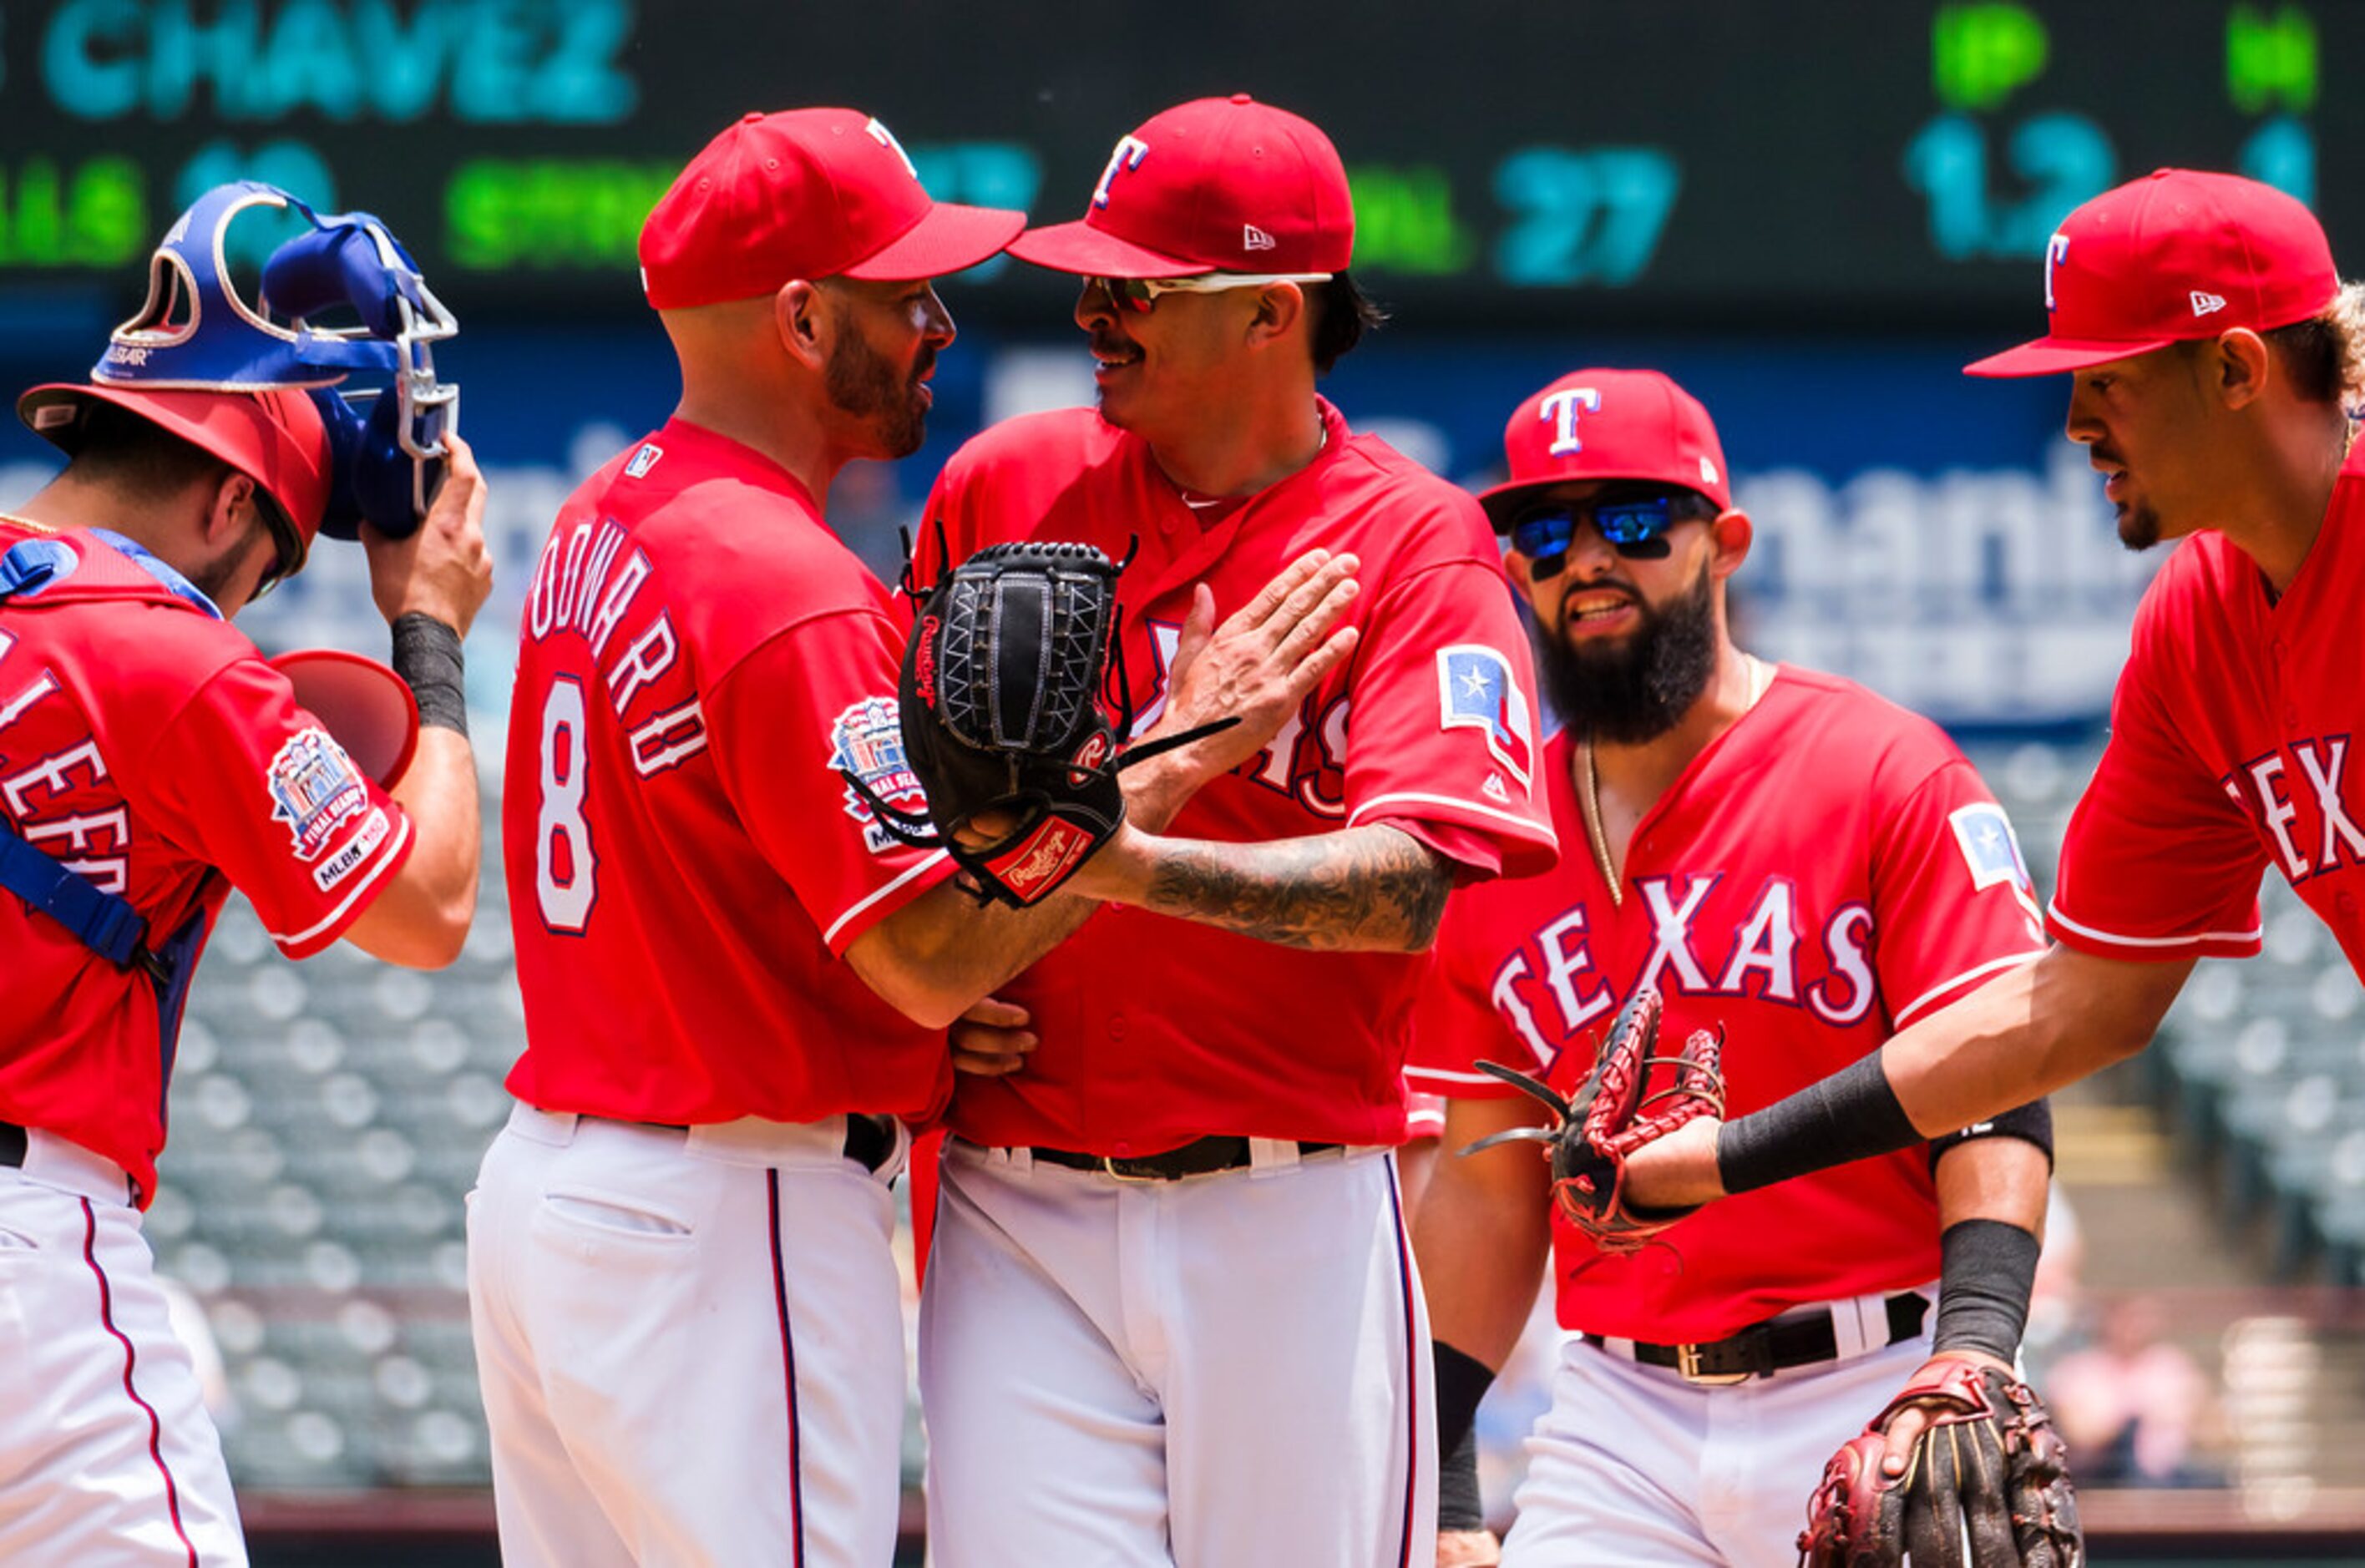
[[442, 570], [1908, 1422], [1257, 668], [1677, 1171], [991, 1040], [1468, 1549]]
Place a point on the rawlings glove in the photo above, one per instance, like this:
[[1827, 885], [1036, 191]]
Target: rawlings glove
[[1612, 1115], [1001, 718], [1987, 1484]]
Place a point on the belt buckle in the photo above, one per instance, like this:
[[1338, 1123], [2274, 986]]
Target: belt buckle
[[1109, 1162], [1688, 1367]]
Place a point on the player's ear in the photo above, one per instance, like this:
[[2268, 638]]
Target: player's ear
[[800, 316], [1280, 306], [2242, 364], [1733, 532], [231, 511]]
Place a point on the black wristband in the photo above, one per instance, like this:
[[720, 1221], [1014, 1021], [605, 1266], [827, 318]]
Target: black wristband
[[1459, 1503], [427, 657], [1987, 1268], [1461, 1382], [1852, 1115]]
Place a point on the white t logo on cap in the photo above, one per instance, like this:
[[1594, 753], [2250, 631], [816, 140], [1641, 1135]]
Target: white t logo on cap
[[2057, 250], [1130, 151], [1560, 408], [886, 138]]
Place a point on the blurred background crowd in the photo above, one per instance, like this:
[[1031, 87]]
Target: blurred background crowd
[[1810, 216]]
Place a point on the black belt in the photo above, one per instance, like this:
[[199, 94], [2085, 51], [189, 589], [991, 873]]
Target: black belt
[[1763, 1349], [12, 1144], [869, 1141], [1202, 1157]]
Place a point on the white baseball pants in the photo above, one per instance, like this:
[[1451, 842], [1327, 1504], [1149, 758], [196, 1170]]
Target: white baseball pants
[[1226, 1370], [1633, 1465], [691, 1345], [107, 1457]]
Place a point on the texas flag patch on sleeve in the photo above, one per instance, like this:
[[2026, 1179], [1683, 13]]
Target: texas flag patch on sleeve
[[1984, 835], [1476, 691]]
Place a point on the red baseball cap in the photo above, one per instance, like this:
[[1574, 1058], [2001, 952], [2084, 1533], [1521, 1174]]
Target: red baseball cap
[[273, 435], [1216, 185], [364, 704], [2175, 256], [808, 193], [1608, 424]]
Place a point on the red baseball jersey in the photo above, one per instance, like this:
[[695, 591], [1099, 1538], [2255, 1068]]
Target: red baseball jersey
[[1157, 1031], [1826, 872], [2231, 737], [698, 658], [148, 746]]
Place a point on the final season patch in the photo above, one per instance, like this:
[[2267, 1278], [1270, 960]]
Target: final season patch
[[315, 789], [1475, 690], [867, 741]]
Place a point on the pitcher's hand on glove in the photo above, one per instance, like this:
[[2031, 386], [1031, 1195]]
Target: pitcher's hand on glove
[[1616, 1113], [1986, 1485]]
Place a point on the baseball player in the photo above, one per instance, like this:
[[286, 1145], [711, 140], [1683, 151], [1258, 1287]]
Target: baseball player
[[2214, 353], [1788, 858], [1169, 1248], [152, 760], [685, 1307]]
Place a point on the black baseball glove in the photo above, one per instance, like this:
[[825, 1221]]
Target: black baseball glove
[[1002, 725]]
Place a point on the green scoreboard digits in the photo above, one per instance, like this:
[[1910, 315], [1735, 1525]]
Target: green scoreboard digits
[[1515, 162]]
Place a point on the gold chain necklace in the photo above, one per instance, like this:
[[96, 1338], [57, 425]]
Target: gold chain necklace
[[28, 522], [1588, 794]]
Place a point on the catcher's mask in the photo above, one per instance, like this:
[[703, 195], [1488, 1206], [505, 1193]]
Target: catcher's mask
[[344, 314]]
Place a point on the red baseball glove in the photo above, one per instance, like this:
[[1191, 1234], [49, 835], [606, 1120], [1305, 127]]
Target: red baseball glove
[[1614, 1114], [1987, 1484]]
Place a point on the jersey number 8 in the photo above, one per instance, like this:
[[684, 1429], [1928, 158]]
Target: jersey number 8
[[565, 869]]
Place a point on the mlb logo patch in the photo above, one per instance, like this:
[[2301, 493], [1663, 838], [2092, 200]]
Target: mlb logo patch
[[1475, 690], [315, 789], [867, 741], [1984, 835], [643, 460]]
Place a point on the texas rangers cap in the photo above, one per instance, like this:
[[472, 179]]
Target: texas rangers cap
[[2174, 256], [807, 193], [1608, 424], [273, 435], [1216, 185]]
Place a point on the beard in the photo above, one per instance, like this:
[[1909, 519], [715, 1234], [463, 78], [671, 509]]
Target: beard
[[1640, 688], [213, 578], [859, 381], [2138, 526]]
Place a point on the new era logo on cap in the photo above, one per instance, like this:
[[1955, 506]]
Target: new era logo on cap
[[1202, 187], [2176, 256]]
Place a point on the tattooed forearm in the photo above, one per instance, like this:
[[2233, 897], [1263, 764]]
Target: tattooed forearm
[[1364, 888]]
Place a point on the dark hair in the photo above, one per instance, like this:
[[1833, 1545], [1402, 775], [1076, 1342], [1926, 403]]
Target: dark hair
[[119, 449], [1342, 314], [143, 462], [2313, 354]]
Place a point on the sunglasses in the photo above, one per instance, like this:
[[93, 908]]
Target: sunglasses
[[287, 550], [1139, 295], [1634, 523]]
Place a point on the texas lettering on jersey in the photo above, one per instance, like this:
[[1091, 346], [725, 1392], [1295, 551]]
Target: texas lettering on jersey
[[2298, 797]]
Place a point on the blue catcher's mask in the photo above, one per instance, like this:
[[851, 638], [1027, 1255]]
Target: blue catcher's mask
[[196, 333]]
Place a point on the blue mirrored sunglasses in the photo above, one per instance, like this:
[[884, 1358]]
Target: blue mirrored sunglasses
[[1635, 526]]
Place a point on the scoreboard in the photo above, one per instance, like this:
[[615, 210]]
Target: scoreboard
[[1517, 164]]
